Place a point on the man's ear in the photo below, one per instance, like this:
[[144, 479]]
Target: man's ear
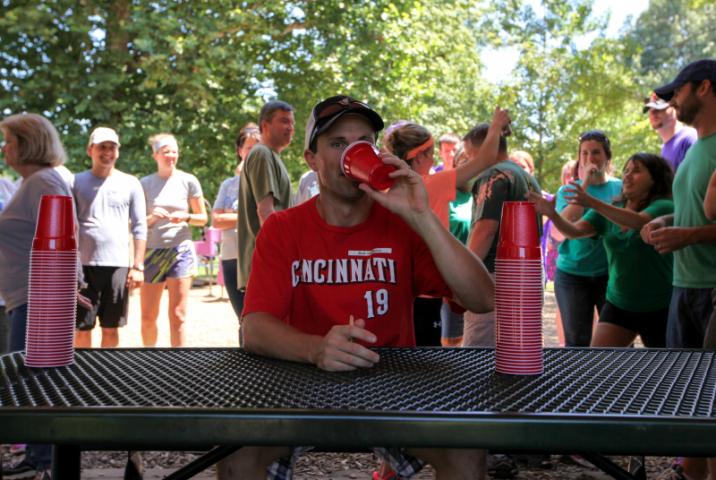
[[310, 158], [89, 151], [704, 88]]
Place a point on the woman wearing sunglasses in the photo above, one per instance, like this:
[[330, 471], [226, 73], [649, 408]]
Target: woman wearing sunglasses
[[580, 282], [639, 287]]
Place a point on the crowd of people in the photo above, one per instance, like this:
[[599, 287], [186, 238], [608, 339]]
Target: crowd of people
[[411, 265]]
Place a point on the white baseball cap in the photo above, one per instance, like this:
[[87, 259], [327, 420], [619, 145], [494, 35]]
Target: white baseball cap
[[103, 134]]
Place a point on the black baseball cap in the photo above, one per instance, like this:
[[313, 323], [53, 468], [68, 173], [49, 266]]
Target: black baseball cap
[[325, 113], [693, 72]]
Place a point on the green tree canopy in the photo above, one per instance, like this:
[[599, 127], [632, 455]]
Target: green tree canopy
[[201, 70]]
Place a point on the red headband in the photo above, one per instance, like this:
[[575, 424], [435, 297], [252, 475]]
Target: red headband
[[420, 149]]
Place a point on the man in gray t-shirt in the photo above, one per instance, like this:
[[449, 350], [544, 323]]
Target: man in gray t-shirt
[[108, 203], [265, 186]]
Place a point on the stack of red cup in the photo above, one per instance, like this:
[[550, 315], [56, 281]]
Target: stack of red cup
[[52, 300], [518, 292]]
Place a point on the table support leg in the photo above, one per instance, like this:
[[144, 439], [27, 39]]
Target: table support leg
[[66, 461], [202, 463], [607, 466], [637, 467]]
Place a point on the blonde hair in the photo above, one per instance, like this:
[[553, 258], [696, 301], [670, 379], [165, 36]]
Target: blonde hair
[[160, 140], [37, 140]]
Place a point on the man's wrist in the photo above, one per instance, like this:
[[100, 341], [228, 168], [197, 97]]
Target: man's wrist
[[138, 267]]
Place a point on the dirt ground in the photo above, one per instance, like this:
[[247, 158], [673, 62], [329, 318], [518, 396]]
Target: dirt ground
[[212, 323]]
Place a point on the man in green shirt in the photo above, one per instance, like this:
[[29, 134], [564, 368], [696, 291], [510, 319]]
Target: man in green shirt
[[688, 233], [265, 186]]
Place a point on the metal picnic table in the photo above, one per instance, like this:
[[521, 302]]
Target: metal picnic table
[[606, 401]]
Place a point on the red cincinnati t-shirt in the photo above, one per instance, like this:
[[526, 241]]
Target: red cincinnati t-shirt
[[313, 275]]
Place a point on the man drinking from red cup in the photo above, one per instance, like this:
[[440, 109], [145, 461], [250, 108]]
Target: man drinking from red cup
[[352, 251]]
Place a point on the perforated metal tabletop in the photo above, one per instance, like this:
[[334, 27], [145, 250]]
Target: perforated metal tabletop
[[624, 401]]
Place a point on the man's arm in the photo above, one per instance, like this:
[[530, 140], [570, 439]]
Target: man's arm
[[135, 277], [710, 198], [654, 225], [668, 239], [481, 236], [264, 334], [487, 154], [463, 272], [138, 221], [264, 208]]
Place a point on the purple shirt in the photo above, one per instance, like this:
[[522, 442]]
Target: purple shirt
[[675, 149]]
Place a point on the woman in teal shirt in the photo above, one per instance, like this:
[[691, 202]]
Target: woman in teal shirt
[[581, 279], [639, 287]]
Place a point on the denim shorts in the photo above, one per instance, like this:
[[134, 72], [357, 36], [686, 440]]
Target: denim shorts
[[173, 262]]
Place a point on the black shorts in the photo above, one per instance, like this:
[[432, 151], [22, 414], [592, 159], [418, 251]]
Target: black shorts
[[108, 292], [651, 326]]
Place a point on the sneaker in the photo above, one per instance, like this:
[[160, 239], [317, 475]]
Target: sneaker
[[18, 471]]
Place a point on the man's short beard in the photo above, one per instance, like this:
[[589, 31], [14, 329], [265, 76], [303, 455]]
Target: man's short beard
[[689, 109]]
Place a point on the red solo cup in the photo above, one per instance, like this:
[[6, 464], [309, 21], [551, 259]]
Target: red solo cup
[[361, 161], [519, 234], [55, 228]]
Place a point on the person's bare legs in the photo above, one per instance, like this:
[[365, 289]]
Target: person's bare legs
[[110, 337], [151, 295], [559, 325], [454, 463], [711, 462], [611, 335], [83, 338], [695, 468], [178, 299], [249, 463]]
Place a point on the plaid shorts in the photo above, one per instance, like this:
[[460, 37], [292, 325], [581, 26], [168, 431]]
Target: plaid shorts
[[174, 262], [403, 464]]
